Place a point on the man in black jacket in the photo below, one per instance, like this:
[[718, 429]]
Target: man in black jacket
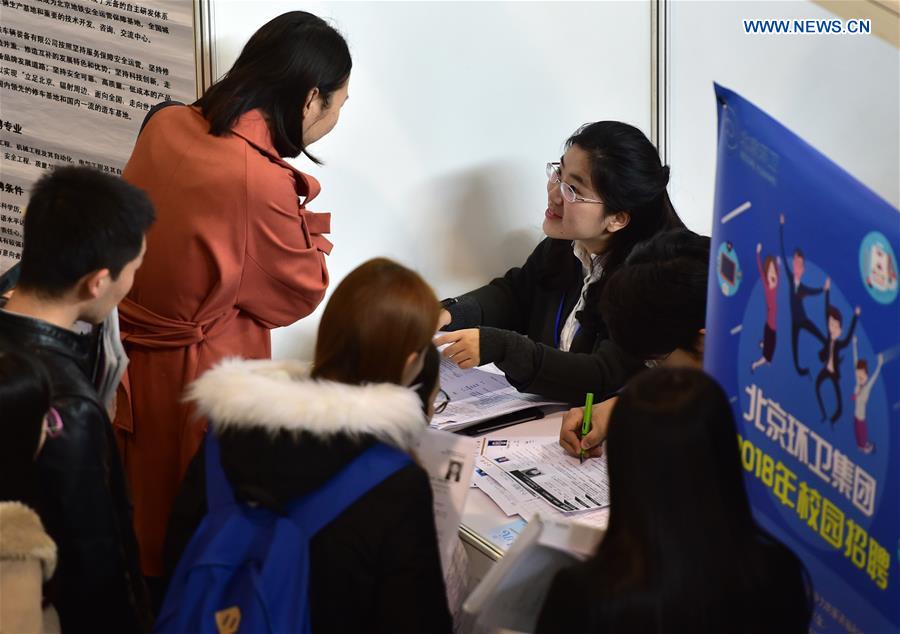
[[798, 292], [830, 354], [84, 240]]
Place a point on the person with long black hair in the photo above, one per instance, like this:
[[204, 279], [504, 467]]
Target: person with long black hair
[[27, 553], [682, 552], [540, 323], [235, 251]]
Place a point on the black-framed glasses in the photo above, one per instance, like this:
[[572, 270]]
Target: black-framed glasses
[[655, 362], [554, 175], [441, 402]]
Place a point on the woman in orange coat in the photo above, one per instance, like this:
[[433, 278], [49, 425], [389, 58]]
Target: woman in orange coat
[[234, 252]]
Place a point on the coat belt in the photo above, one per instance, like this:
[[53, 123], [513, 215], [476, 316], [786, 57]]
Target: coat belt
[[143, 327]]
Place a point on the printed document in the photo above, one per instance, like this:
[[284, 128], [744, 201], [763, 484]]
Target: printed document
[[476, 395], [448, 458], [562, 481]]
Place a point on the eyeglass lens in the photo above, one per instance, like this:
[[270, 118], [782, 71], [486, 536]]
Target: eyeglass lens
[[565, 189]]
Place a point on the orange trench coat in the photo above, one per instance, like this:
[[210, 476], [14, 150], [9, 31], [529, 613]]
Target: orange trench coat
[[233, 253]]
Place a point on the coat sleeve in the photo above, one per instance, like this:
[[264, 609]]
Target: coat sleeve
[[411, 595], [94, 579], [284, 275], [505, 302], [564, 376]]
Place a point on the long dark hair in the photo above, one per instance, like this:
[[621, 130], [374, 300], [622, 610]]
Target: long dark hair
[[629, 177], [285, 59], [24, 402], [656, 302], [682, 552]]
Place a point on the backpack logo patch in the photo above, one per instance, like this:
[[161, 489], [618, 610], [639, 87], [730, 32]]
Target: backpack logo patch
[[228, 620]]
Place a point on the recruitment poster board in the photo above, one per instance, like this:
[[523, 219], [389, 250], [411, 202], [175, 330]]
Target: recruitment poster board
[[803, 332], [77, 78]]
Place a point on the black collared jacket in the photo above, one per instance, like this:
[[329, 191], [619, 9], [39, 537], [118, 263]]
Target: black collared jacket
[[520, 317]]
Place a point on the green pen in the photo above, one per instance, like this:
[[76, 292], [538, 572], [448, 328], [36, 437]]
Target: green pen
[[586, 421]]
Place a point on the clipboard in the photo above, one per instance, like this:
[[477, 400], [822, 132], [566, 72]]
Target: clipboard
[[505, 420]]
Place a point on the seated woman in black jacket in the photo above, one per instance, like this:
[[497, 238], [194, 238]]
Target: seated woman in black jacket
[[285, 430], [540, 323], [682, 552]]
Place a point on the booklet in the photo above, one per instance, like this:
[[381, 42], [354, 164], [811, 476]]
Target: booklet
[[112, 360], [448, 459]]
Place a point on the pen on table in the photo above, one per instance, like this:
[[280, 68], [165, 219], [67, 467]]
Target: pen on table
[[586, 421]]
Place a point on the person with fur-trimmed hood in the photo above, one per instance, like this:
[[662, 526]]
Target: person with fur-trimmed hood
[[285, 429]]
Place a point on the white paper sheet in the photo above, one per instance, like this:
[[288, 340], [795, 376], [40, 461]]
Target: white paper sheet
[[504, 491], [557, 478], [511, 594], [115, 361], [476, 395], [448, 458]]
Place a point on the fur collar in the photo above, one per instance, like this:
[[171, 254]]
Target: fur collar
[[22, 537], [279, 395]]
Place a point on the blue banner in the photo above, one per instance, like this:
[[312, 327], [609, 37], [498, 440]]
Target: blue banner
[[803, 332]]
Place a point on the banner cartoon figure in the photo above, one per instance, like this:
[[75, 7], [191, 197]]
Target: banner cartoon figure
[[807, 348]]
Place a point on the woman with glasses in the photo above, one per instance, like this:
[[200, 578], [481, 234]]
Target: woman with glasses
[[540, 323], [27, 553], [284, 430]]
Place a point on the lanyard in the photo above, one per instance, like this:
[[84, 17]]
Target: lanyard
[[556, 331], [556, 328]]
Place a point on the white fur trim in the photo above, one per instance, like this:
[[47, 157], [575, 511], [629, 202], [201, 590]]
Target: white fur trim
[[22, 536], [277, 395]]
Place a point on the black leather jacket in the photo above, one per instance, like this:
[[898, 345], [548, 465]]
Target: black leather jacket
[[83, 500]]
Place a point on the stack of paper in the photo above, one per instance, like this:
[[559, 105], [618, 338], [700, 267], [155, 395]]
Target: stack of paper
[[477, 395], [527, 476]]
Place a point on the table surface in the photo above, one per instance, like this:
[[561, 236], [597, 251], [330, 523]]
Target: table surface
[[480, 515]]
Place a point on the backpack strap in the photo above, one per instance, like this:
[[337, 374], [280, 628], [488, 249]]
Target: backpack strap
[[219, 493], [155, 109], [319, 508], [309, 515]]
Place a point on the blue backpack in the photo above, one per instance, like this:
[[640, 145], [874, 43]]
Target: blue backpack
[[246, 569]]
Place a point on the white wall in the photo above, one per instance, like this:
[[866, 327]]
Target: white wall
[[841, 93], [438, 160]]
